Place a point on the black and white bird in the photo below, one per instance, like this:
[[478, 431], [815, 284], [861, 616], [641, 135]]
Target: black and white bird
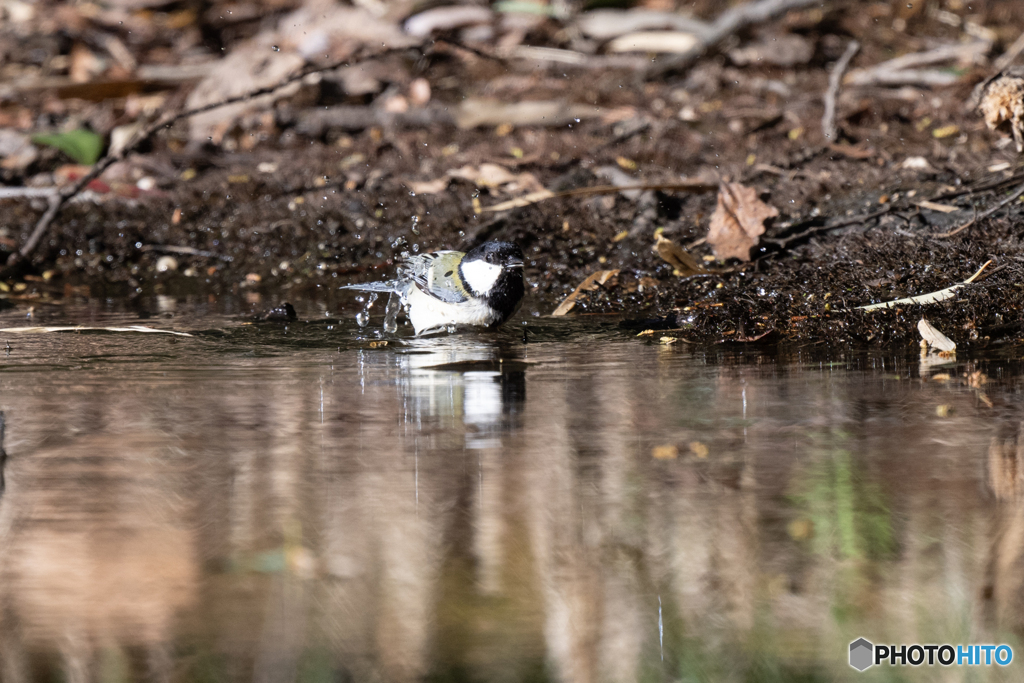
[[482, 287]]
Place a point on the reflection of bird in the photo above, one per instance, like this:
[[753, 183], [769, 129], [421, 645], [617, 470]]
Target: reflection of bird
[[482, 287]]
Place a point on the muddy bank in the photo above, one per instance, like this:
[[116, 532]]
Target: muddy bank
[[319, 199]]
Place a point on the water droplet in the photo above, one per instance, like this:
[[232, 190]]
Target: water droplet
[[363, 316], [450, 329], [275, 48], [391, 314]]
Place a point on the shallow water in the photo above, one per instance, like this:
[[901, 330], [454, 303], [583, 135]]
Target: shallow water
[[274, 503]]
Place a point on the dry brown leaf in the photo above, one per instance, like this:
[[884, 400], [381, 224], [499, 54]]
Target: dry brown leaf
[[319, 28], [429, 186], [593, 281], [525, 200], [935, 339], [738, 221], [676, 256], [1002, 103], [484, 175], [473, 112], [666, 451]]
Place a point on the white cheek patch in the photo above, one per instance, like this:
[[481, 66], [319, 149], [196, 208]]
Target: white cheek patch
[[480, 275]]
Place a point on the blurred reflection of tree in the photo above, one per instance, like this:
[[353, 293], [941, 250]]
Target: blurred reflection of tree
[[97, 559], [1004, 586]]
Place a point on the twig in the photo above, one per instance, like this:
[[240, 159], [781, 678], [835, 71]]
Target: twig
[[58, 200], [785, 242], [727, 23], [187, 251], [902, 70], [1007, 58], [835, 80], [694, 187], [963, 227], [985, 214], [27, 192]]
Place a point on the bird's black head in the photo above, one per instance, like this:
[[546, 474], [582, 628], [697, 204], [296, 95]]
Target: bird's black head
[[494, 271], [507, 254]]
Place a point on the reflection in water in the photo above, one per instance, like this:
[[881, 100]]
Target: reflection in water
[[476, 509]]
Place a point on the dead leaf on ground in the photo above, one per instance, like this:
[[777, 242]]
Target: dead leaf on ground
[[666, 451], [447, 18], [677, 257], [474, 112], [492, 176], [785, 50], [1002, 103], [672, 42], [738, 221], [518, 202], [435, 186], [318, 30], [484, 175], [593, 281], [935, 339]]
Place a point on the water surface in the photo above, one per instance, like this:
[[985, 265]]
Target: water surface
[[288, 503]]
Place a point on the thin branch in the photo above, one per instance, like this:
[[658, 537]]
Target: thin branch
[[902, 70], [1007, 58], [784, 242], [187, 251], [726, 24], [986, 213], [835, 80], [693, 187]]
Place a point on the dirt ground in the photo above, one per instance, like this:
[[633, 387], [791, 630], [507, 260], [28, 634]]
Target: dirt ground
[[327, 185]]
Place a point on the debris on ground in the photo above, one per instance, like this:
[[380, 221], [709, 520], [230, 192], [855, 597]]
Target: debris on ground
[[852, 180]]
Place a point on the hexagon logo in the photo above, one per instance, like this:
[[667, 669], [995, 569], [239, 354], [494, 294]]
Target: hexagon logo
[[861, 654]]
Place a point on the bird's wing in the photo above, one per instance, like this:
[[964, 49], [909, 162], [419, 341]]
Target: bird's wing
[[437, 274]]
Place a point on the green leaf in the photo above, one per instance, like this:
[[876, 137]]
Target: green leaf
[[83, 146], [524, 7]]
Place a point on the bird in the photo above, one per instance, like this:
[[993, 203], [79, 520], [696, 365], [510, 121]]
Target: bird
[[483, 287]]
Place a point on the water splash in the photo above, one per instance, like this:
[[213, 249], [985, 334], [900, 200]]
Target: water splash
[[391, 314], [363, 316]]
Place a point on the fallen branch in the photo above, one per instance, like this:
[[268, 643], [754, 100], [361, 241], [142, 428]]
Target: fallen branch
[[785, 242], [985, 214], [27, 192], [81, 328], [902, 70], [929, 298], [59, 199], [694, 187], [187, 251], [1007, 58], [728, 22], [593, 281], [835, 80]]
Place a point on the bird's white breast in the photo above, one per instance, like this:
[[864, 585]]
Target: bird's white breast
[[428, 314]]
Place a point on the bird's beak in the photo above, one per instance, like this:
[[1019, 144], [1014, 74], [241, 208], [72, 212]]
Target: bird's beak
[[514, 264]]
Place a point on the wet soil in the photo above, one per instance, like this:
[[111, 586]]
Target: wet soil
[[338, 207]]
